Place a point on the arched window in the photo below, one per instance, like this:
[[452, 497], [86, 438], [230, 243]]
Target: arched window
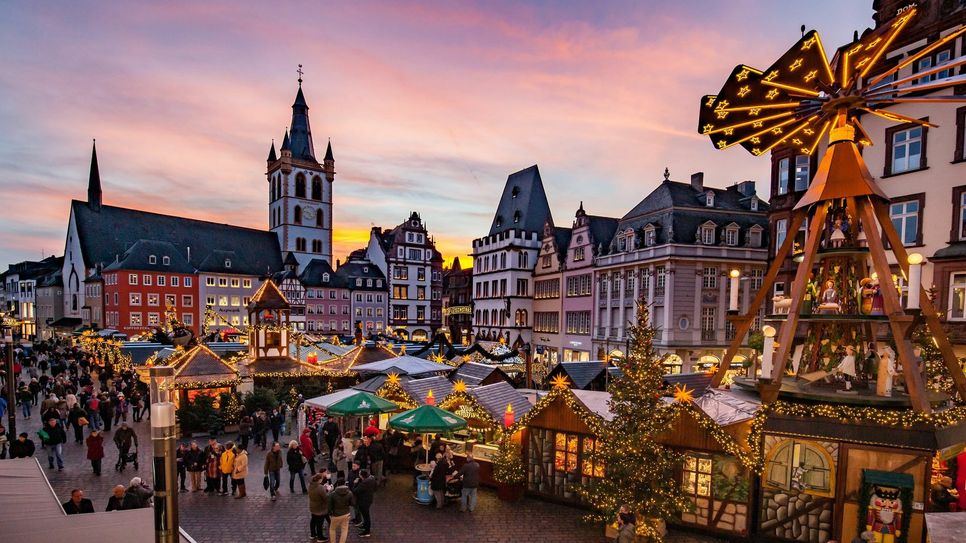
[[298, 214], [804, 465], [300, 186], [316, 246], [317, 188], [300, 244], [318, 217]]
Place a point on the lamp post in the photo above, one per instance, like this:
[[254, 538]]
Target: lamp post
[[6, 330], [163, 439], [915, 280], [769, 351]]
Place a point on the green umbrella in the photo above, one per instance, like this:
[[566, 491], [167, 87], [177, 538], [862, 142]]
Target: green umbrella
[[427, 419], [361, 403]]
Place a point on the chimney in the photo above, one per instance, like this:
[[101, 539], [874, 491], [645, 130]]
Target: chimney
[[747, 188], [697, 181]]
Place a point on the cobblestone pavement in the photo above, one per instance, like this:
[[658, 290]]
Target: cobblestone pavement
[[396, 517]]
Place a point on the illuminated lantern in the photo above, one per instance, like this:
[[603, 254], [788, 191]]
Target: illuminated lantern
[[430, 400], [508, 416], [312, 358], [267, 315]]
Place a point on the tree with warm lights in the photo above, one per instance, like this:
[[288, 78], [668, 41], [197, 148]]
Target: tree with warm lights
[[639, 470]]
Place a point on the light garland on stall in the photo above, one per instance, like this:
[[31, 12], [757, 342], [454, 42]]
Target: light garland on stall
[[392, 390], [460, 399]]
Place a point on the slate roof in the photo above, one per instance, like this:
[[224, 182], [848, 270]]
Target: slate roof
[[300, 131], [696, 382], [677, 211], [52, 279], [138, 257], [408, 365], [352, 270], [107, 234], [561, 237], [581, 374], [524, 198], [318, 273], [595, 402], [419, 388], [954, 251], [269, 297], [495, 397], [474, 373], [602, 228]]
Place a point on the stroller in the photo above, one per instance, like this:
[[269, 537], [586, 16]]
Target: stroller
[[129, 458], [454, 490]]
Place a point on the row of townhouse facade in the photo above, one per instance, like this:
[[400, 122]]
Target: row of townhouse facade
[[570, 293]]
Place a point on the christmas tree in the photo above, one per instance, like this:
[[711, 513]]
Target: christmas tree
[[231, 408], [639, 470]]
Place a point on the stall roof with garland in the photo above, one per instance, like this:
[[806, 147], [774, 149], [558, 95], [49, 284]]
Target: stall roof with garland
[[495, 398], [403, 365], [419, 388], [474, 373]]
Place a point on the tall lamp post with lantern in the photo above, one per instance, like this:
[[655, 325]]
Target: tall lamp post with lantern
[[163, 440]]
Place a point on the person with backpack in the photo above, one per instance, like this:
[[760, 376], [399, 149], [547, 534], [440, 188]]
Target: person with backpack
[[53, 438]]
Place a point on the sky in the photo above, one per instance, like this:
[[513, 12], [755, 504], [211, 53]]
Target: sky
[[429, 105]]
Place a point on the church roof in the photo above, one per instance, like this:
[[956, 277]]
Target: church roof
[[149, 255], [94, 193], [272, 157], [328, 152], [523, 205], [268, 297], [301, 133], [107, 234]]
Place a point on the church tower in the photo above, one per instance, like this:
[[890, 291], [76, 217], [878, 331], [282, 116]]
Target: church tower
[[300, 190]]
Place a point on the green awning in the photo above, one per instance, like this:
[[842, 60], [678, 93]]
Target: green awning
[[427, 419], [361, 403]]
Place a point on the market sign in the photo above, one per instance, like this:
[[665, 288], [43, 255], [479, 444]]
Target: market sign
[[458, 310]]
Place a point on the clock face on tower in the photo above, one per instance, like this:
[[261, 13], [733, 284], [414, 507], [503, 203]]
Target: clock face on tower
[[309, 214]]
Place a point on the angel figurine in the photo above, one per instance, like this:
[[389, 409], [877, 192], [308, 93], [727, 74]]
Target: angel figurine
[[886, 371]]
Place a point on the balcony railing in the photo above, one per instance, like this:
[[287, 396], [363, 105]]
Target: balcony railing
[[707, 335]]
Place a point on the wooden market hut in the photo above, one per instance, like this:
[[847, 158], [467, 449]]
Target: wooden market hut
[[198, 371], [591, 375], [477, 374]]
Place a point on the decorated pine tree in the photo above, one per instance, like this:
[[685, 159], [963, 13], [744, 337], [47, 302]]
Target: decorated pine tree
[[231, 408], [639, 470]]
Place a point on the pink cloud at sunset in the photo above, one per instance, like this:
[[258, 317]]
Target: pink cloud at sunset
[[429, 105]]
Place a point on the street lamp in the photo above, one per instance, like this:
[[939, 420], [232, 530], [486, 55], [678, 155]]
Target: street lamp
[[6, 331], [915, 280], [163, 439]]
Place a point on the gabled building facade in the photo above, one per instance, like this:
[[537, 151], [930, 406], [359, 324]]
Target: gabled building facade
[[327, 300], [504, 259], [408, 258], [458, 303], [368, 295], [676, 248]]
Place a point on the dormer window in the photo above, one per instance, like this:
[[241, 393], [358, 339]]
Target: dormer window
[[166, 260], [515, 192], [227, 262], [754, 236], [731, 235], [709, 199], [152, 259], [365, 269], [650, 235], [754, 203], [358, 282], [499, 221], [325, 277], [706, 233], [516, 217]]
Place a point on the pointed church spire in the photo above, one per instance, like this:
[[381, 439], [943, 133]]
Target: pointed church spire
[[286, 143], [94, 182], [328, 151], [302, 146], [272, 157]]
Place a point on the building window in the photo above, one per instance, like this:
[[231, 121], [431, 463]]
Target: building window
[[696, 480], [803, 465], [709, 199], [802, 167], [731, 236], [578, 254], [187, 281], [546, 261], [783, 168], [905, 148], [135, 319], [707, 234], [420, 273], [960, 152], [578, 322], [523, 287], [154, 319], [188, 319], [317, 188], [650, 236], [957, 296], [166, 260], [209, 301], [661, 274], [757, 277], [298, 215], [400, 292], [544, 321], [135, 298], [175, 280], [146, 280], [710, 278], [906, 219], [209, 281], [223, 301], [223, 282], [708, 323], [162, 280], [300, 186], [152, 259], [781, 230], [235, 301]]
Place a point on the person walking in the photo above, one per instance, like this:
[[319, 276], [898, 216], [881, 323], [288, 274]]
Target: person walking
[[182, 466], [296, 466], [25, 397], [95, 450], [308, 450], [78, 504], [22, 447], [54, 443], [93, 412], [275, 422], [331, 435], [365, 492], [121, 409], [273, 467], [227, 465], [377, 456], [245, 431], [341, 501], [106, 409], [77, 418], [319, 489], [470, 475], [239, 472], [124, 438], [194, 461]]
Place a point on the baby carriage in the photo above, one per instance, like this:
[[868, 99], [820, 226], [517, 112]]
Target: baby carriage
[[124, 459]]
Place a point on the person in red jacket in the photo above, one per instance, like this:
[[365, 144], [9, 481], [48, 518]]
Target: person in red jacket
[[95, 450], [308, 450]]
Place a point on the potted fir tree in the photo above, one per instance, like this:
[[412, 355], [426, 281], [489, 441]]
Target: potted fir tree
[[508, 471]]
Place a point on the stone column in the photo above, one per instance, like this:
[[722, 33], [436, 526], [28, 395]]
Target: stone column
[[668, 302], [651, 280]]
